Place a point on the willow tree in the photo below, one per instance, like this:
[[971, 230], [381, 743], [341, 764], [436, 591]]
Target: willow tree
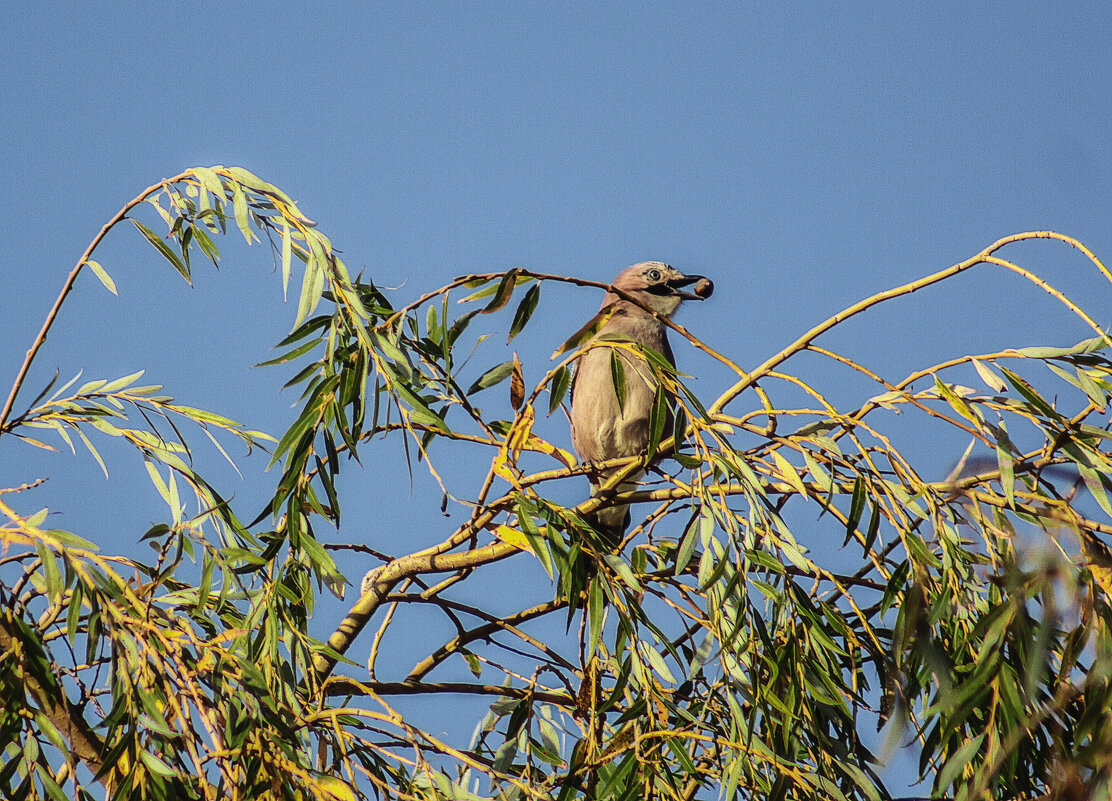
[[727, 647]]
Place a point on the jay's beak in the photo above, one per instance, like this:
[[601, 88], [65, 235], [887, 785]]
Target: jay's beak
[[702, 290]]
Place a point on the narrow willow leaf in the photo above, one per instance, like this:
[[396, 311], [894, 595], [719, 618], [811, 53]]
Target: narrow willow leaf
[[202, 416], [659, 665], [1029, 393], [1006, 464], [1092, 389], [104, 277], [818, 473], [956, 763], [538, 542], [495, 375], [290, 356], [419, 410], [208, 247], [93, 451], [154, 762], [475, 283], [621, 567], [473, 663], [252, 181], [957, 403], [817, 427], [789, 473], [691, 537], [1081, 379], [210, 180], [389, 347], [312, 287], [52, 575], [161, 246], [120, 383], [795, 555], [159, 484], [305, 329], [596, 605], [524, 311], [243, 219], [503, 293], [659, 416], [35, 442], [991, 379], [517, 385], [617, 376], [1096, 486], [71, 540], [557, 388], [287, 256], [1084, 346]]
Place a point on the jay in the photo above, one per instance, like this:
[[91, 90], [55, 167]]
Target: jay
[[602, 425]]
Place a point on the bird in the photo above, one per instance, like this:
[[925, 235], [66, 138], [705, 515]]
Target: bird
[[602, 425]]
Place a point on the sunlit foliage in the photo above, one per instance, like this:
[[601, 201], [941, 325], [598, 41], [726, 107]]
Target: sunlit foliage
[[716, 652]]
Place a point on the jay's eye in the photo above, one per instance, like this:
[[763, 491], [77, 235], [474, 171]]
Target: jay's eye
[[653, 274]]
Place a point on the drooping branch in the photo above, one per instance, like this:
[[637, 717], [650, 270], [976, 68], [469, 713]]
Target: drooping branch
[[67, 286]]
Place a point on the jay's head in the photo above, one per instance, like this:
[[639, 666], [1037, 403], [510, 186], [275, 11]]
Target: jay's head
[[659, 287]]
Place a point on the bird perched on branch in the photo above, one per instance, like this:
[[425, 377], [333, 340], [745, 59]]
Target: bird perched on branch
[[607, 423]]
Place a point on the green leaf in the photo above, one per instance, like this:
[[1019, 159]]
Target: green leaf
[[1084, 346], [991, 379], [617, 376], [51, 573], [956, 763], [1004, 460], [210, 180], [856, 507], [1029, 393], [524, 311], [93, 451], [104, 277], [243, 219], [252, 181], [161, 246], [538, 542], [622, 569], [120, 383], [789, 473], [686, 549], [503, 293], [312, 287], [494, 375], [290, 356], [287, 256], [1095, 485], [596, 606], [659, 416], [156, 764], [557, 388], [473, 663], [659, 665]]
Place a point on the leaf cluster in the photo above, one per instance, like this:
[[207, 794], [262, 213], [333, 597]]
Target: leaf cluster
[[724, 646]]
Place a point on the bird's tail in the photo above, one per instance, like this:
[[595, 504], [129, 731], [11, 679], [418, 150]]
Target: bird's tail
[[612, 521]]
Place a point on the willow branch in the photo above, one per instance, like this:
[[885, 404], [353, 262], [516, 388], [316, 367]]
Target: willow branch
[[341, 686], [984, 257], [62, 713], [40, 340]]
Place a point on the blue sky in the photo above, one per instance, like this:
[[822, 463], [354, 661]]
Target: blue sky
[[802, 155]]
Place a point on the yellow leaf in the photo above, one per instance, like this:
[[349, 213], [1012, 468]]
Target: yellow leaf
[[332, 789], [512, 536], [789, 473]]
